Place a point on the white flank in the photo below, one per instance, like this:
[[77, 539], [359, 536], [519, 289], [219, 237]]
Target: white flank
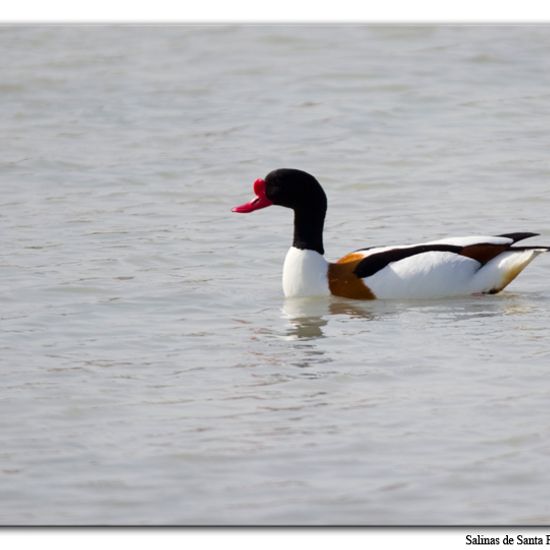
[[427, 275], [444, 274], [305, 273]]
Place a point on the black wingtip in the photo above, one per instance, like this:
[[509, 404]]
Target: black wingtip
[[519, 236]]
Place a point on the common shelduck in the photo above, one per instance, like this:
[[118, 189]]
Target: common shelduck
[[455, 266]]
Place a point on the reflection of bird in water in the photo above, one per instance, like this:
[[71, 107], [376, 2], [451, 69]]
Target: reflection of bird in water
[[307, 328], [307, 316]]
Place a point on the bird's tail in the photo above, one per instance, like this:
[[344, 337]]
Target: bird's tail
[[509, 265]]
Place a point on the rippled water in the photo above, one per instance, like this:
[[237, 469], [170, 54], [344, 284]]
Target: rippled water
[[152, 371]]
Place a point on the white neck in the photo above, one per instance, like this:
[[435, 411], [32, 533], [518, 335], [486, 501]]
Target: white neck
[[305, 273]]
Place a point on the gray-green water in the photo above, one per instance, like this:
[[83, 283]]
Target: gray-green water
[[152, 372]]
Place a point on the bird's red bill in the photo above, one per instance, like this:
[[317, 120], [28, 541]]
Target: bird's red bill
[[259, 201]]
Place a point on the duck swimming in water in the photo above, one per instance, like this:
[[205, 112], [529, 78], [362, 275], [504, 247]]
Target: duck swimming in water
[[455, 266]]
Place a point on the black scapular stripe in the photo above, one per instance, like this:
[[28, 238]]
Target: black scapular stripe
[[372, 264]]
